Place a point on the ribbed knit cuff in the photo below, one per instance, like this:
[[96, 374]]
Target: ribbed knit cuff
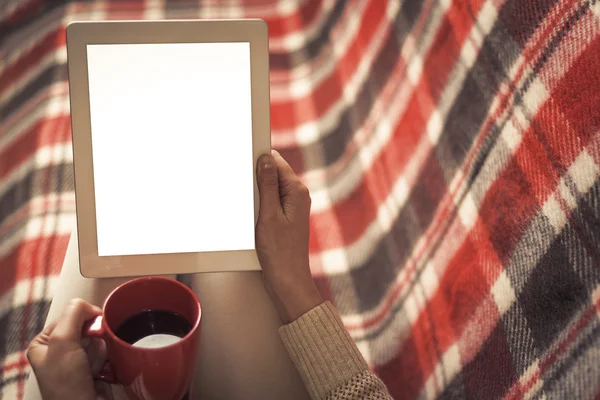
[[322, 350]]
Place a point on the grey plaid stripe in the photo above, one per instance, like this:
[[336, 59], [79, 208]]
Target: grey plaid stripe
[[52, 74], [334, 142], [577, 373], [56, 178], [20, 325], [470, 109]]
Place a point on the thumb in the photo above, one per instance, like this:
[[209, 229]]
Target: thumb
[[268, 186]]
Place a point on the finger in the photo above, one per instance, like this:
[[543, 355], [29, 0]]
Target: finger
[[268, 186], [49, 328], [104, 390], [35, 352], [71, 322], [285, 172], [37, 346], [96, 353], [294, 194], [85, 343]]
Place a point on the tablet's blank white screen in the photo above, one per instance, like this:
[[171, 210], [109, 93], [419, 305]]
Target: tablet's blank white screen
[[172, 147]]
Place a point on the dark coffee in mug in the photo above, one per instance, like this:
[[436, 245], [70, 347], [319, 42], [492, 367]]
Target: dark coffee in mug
[[153, 328], [151, 348]]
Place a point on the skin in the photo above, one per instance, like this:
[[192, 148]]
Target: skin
[[65, 364], [282, 238]]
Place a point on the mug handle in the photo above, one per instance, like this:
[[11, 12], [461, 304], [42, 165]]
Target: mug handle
[[95, 329]]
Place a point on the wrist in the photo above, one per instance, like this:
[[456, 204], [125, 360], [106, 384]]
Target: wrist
[[297, 300]]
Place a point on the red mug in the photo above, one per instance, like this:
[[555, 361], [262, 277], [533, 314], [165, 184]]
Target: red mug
[[160, 373]]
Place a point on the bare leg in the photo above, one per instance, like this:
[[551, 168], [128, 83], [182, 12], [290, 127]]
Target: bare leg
[[70, 285], [241, 354]]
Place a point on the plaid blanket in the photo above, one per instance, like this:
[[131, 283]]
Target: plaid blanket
[[452, 150]]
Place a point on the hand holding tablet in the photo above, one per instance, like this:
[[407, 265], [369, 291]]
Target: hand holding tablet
[[156, 108], [282, 236]]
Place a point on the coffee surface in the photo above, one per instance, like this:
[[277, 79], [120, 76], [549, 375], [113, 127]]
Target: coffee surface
[[153, 328]]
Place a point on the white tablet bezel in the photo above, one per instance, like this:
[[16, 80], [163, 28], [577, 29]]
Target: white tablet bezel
[[79, 35]]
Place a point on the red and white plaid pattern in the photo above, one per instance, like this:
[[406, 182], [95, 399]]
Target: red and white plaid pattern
[[452, 150]]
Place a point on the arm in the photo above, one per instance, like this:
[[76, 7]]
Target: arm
[[322, 350], [327, 358]]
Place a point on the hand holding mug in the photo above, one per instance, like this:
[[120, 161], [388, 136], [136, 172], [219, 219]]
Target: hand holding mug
[[146, 369], [64, 363]]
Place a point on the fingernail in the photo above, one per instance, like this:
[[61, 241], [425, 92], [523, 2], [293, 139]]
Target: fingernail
[[265, 161]]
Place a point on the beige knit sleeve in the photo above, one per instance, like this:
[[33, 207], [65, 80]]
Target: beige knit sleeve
[[327, 358]]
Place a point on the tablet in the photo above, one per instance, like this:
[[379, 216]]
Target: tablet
[[168, 121]]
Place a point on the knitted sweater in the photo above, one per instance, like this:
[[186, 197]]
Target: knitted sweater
[[328, 360]]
